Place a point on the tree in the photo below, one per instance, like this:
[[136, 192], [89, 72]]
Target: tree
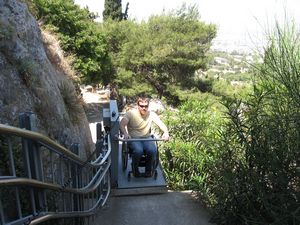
[[80, 36], [113, 10], [168, 49]]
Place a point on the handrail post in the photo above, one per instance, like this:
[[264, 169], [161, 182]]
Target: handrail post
[[76, 174], [100, 139], [32, 160], [111, 120], [75, 148], [28, 121]]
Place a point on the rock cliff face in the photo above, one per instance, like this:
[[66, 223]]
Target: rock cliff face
[[31, 80]]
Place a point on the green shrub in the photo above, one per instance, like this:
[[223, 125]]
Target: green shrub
[[6, 31], [193, 129], [256, 174], [28, 72]]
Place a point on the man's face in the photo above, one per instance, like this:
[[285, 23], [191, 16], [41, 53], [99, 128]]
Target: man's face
[[143, 107]]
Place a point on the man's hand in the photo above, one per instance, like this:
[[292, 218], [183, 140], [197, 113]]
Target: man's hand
[[126, 136], [165, 136]]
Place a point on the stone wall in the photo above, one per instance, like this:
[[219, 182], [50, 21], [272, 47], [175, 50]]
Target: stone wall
[[30, 82]]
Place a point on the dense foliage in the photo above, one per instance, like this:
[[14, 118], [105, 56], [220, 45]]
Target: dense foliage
[[79, 36], [193, 147], [168, 49], [155, 56], [252, 175], [113, 10]]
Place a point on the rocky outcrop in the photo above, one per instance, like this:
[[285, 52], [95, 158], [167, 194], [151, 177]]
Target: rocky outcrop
[[31, 81]]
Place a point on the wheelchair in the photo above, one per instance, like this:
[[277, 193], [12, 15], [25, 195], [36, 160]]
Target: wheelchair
[[127, 152]]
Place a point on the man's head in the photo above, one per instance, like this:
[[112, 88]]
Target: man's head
[[143, 104]]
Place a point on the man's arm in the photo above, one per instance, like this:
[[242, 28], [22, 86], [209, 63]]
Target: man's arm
[[123, 127], [161, 126]]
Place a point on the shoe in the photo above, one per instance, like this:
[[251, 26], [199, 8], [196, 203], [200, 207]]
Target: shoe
[[148, 174]]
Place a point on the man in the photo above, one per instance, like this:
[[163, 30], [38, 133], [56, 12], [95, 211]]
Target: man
[[137, 123]]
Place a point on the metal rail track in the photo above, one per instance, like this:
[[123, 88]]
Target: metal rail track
[[41, 180]]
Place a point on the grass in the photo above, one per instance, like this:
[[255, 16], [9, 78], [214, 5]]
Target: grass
[[72, 101]]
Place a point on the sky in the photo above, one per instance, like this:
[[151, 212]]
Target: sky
[[241, 23]]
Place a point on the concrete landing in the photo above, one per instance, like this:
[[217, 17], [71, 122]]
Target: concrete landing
[[171, 208]]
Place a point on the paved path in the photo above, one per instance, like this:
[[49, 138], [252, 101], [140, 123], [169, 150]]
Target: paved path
[[93, 111], [171, 208]]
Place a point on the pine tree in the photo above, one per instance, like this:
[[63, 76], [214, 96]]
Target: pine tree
[[113, 10]]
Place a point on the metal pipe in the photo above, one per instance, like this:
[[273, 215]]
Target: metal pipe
[[139, 139], [39, 184]]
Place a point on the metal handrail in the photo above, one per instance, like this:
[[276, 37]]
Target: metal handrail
[[66, 215], [53, 145], [92, 179], [139, 139], [9, 130], [39, 184], [96, 163]]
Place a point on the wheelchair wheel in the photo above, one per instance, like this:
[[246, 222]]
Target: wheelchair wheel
[[124, 156], [129, 176], [157, 160], [155, 174]]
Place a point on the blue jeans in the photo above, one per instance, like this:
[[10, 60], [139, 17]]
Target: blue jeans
[[140, 148]]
